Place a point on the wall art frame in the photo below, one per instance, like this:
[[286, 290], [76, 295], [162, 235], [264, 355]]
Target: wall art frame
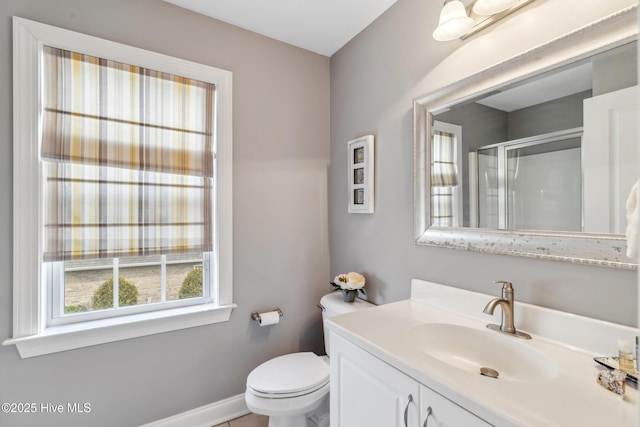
[[361, 174]]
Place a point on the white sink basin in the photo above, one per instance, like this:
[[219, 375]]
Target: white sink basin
[[470, 349]]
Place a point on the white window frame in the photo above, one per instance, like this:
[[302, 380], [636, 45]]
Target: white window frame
[[31, 333], [457, 193], [56, 298]]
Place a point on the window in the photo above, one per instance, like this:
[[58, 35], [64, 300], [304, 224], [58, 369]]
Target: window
[[446, 182], [107, 287], [122, 191]]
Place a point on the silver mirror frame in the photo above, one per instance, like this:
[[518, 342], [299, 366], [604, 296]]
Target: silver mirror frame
[[604, 250]]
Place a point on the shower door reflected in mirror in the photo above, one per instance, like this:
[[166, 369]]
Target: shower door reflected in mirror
[[528, 184], [485, 212]]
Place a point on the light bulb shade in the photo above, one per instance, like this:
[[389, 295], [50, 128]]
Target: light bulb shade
[[454, 22], [491, 7]]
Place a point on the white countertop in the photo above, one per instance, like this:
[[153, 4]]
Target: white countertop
[[571, 398]]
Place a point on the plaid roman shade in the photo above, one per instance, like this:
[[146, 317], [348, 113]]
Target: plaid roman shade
[[127, 158], [444, 177], [443, 164]]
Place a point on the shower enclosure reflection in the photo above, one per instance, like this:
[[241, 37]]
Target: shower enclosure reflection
[[540, 189]]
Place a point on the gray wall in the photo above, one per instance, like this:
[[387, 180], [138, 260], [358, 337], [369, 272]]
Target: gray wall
[[374, 79], [281, 155], [615, 71], [551, 116]]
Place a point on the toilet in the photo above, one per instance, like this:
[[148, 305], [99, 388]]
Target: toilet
[[293, 390]]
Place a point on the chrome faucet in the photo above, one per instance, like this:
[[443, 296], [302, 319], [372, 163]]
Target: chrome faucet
[[506, 303]]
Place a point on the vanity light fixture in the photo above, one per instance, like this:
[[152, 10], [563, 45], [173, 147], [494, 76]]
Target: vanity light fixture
[[456, 21], [491, 7]]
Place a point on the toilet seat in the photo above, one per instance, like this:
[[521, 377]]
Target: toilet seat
[[288, 376]]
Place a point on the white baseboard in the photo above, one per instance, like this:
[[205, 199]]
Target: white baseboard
[[206, 416]]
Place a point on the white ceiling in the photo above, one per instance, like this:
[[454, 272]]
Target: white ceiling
[[319, 26], [559, 84]]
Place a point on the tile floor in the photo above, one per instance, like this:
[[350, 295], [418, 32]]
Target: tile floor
[[251, 420]]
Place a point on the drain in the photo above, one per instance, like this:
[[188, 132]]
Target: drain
[[488, 372]]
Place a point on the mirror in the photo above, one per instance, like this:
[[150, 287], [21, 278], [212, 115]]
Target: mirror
[[530, 156], [535, 156]]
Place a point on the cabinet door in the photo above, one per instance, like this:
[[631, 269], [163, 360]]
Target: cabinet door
[[366, 391], [438, 411]]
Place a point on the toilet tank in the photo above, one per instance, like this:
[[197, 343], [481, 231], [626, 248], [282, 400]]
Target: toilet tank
[[333, 305]]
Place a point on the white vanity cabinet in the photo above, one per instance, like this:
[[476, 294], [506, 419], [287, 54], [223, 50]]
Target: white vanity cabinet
[[365, 391], [438, 411], [406, 357]]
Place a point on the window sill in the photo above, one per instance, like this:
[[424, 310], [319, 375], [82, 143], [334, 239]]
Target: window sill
[[61, 338]]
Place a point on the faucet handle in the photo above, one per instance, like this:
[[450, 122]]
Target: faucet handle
[[504, 283], [506, 286]]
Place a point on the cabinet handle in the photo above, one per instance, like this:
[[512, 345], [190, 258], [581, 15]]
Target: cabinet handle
[[406, 410], [426, 420]]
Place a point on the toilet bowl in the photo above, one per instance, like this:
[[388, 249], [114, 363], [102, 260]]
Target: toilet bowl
[[293, 390], [289, 389]]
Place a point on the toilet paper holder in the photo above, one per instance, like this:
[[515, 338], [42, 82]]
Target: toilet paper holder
[[256, 316]]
